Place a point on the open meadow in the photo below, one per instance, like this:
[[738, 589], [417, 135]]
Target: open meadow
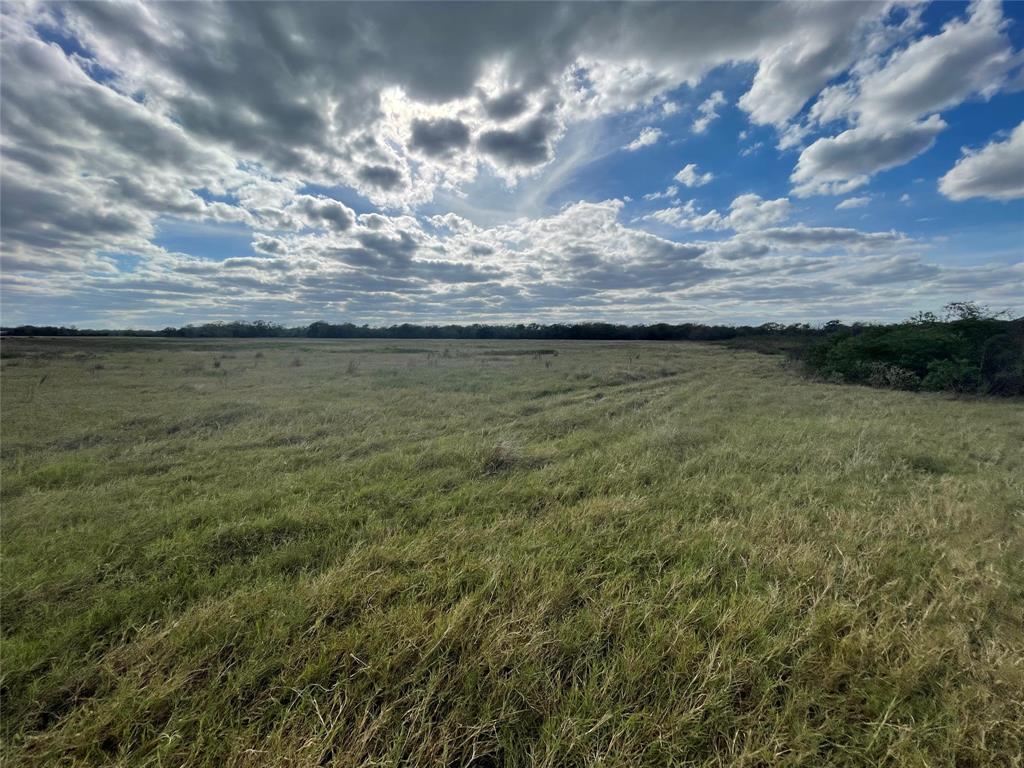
[[292, 552]]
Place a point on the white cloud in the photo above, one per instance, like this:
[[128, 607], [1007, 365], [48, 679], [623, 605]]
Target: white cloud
[[648, 136], [967, 57], [689, 176], [671, 193], [792, 73], [708, 111], [894, 103], [746, 212], [853, 202], [996, 171], [835, 166]]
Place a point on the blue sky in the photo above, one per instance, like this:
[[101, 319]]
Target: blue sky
[[732, 162]]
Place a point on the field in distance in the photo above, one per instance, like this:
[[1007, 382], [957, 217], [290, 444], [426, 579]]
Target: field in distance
[[394, 553]]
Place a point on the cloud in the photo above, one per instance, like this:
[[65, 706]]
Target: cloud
[[853, 202], [751, 212], [708, 111], [324, 211], [380, 176], [996, 171], [508, 105], [338, 92], [818, 238], [845, 162], [525, 146], [689, 176], [793, 72], [894, 103], [746, 212], [967, 57], [648, 136], [441, 137], [671, 192]]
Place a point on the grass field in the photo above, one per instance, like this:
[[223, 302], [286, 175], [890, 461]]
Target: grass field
[[297, 553]]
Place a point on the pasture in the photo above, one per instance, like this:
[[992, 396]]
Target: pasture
[[300, 553]]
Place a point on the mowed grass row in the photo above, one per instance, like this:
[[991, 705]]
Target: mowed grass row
[[285, 552]]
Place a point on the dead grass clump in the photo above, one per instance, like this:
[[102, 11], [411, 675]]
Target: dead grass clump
[[503, 457]]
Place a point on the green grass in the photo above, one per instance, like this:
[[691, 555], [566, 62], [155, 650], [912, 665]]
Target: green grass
[[405, 553]]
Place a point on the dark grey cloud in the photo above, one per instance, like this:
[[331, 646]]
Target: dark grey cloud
[[44, 218], [382, 176], [528, 145], [827, 236], [506, 106], [251, 262], [397, 247], [438, 138]]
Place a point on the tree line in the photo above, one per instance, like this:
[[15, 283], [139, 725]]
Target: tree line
[[596, 331]]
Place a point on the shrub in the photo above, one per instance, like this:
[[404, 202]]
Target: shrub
[[893, 376], [952, 376], [972, 353], [1002, 364]]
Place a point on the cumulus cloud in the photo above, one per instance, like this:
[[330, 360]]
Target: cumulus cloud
[[845, 162], [530, 144], [508, 105], [440, 137], [324, 211], [967, 57], [689, 176], [996, 171], [380, 176], [893, 103], [708, 111], [746, 212], [853, 202], [648, 136]]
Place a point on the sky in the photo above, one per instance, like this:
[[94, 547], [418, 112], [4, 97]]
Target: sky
[[173, 163]]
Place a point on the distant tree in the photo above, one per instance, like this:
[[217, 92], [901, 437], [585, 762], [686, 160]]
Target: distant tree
[[966, 310], [923, 318]]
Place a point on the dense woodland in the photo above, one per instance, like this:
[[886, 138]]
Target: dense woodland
[[968, 349]]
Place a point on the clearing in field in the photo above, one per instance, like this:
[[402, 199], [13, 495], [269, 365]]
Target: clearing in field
[[284, 552]]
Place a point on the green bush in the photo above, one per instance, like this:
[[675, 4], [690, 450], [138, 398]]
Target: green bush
[[970, 352], [952, 376]]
